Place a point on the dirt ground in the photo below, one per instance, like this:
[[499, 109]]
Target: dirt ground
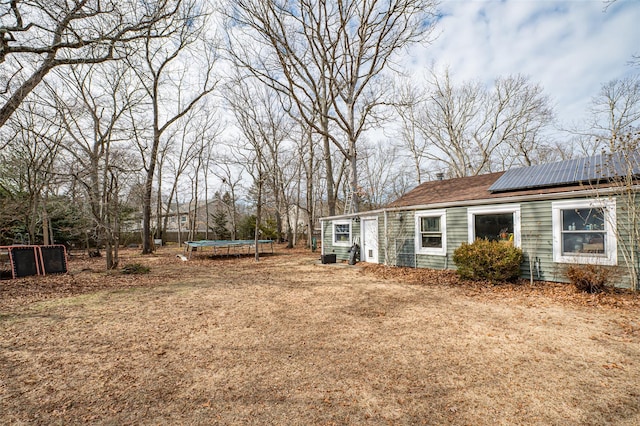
[[289, 341]]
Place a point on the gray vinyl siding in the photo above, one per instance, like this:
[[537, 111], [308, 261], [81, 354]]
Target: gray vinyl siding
[[341, 252], [382, 241], [432, 262], [456, 235], [397, 233], [537, 240], [624, 213], [457, 231], [536, 235], [400, 233], [381, 248]]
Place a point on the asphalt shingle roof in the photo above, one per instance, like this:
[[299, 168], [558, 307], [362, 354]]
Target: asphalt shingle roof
[[468, 189]]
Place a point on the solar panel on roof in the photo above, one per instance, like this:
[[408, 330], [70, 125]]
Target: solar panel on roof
[[576, 170]]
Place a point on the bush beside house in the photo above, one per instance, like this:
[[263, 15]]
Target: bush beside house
[[488, 260]]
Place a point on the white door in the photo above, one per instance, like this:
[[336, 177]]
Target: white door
[[370, 240]]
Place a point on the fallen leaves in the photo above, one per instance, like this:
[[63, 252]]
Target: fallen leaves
[[289, 341], [541, 292], [88, 275]]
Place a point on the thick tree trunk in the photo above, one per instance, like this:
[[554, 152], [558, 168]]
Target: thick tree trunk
[[310, 188], [159, 222], [258, 218], [331, 193], [147, 246], [353, 171]]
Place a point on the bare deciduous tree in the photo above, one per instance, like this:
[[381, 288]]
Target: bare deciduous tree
[[382, 168], [37, 36], [621, 169], [264, 127], [407, 105], [231, 178], [308, 180], [176, 70], [207, 136], [92, 104], [176, 159], [473, 130], [28, 163], [616, 110], [329, 59]]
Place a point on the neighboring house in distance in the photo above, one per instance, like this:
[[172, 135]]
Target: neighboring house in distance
[[561, 213], [187, 214], [182, 217]]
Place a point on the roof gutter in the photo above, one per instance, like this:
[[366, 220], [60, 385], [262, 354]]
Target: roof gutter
[[485, 201]]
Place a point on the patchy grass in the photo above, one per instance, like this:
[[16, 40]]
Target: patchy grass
[[289, 341]]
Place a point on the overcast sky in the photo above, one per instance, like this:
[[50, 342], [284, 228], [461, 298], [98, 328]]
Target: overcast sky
[[570, 47]]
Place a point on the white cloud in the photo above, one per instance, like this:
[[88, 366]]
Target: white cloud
[[570, 47]]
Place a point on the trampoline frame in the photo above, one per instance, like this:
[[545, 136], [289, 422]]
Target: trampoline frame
[[37, 253], [219, 246]]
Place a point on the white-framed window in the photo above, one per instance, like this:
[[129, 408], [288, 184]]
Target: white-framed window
[[342, 233], [431, 232], [497, 223], [584, 231]]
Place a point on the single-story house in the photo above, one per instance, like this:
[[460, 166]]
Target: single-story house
[[569, 212]]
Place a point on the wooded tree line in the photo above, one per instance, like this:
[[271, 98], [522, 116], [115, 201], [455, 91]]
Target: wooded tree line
[[120, 115]]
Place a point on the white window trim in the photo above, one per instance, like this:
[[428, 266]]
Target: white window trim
[[442, 214], [611, 244], [333, 233], [322, 253], [494, 209]]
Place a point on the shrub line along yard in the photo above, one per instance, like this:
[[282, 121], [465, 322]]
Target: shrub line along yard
[[289, 341]]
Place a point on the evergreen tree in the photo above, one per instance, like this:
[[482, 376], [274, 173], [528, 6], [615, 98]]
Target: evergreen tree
[[219, 228]]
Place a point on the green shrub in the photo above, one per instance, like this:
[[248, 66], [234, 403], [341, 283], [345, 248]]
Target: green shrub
[[135, 268], [588, 278], [488, 260]]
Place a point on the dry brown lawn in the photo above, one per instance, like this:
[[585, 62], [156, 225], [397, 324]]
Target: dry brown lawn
[[288, 341]]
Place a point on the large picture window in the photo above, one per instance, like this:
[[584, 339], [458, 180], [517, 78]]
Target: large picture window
[[495, 223], [584, 232], [342, 233], [494, 227], [431, 237]]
